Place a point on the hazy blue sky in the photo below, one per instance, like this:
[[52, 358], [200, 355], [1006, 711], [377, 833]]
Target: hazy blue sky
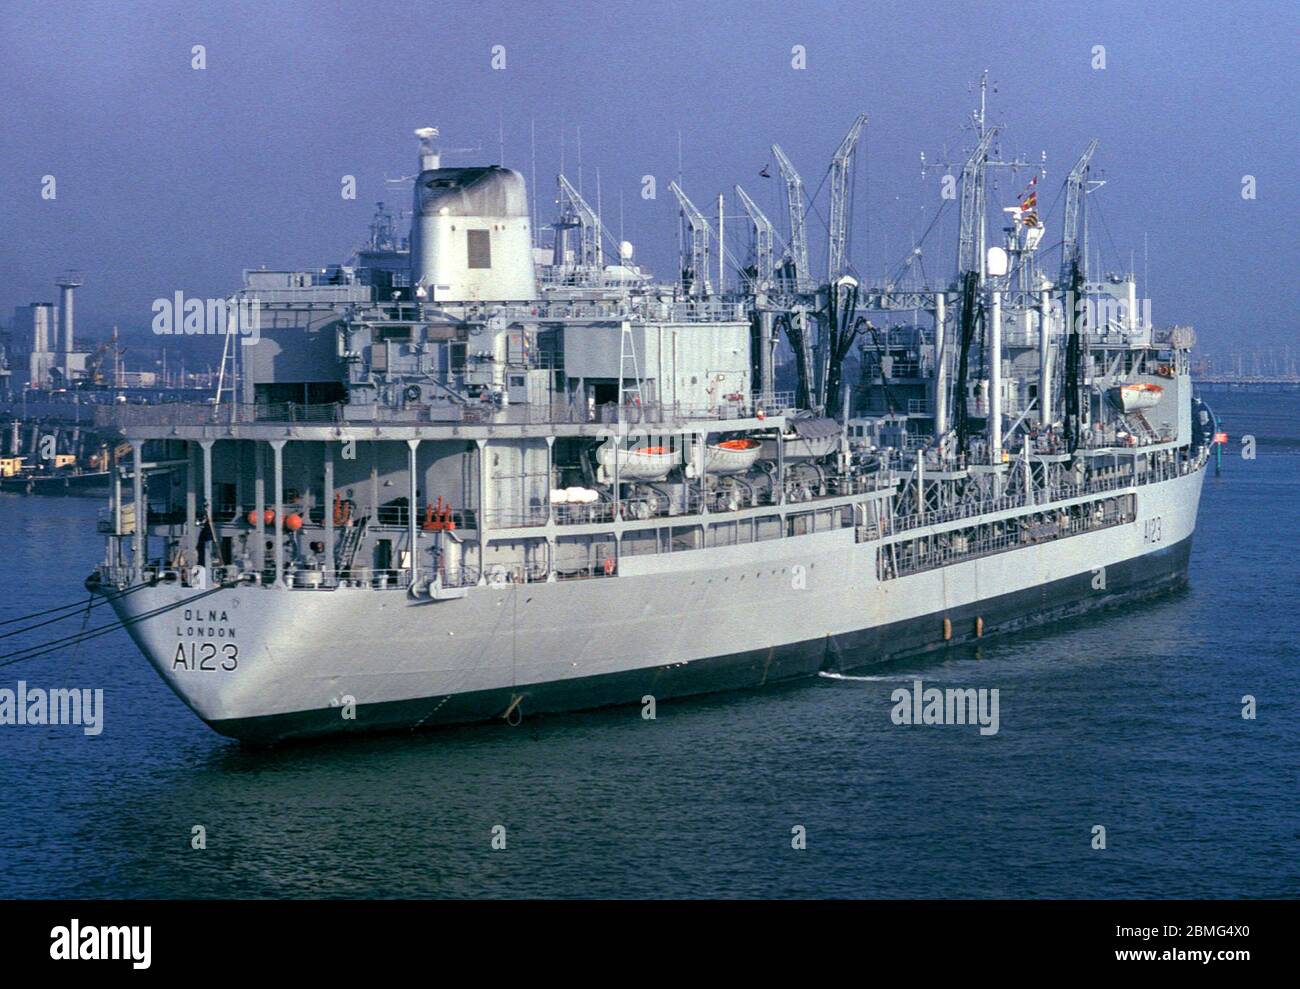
[[175, 179]]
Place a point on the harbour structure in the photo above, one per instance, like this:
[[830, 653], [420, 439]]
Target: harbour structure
[[42, 348], [466, 478]]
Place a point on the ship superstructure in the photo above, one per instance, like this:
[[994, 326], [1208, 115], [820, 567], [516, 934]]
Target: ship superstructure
[[466, 477]]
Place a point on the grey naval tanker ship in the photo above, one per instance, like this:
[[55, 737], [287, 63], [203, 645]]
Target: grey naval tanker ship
[[480, 473]]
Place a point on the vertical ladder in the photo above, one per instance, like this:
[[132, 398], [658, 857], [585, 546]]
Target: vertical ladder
[[627, 361]]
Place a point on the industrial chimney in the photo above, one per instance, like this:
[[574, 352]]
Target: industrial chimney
[[68, 281]]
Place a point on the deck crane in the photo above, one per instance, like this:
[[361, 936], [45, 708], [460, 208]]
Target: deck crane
[[1074, 191], [798, 280], [970, 265], [575, 212], [761, 278], [695, 272], [841, 204], [764, 244], [836, 325], [801, 282], [1074, 267]]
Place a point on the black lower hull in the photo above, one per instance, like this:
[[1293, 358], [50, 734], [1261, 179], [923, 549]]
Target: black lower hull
[[1143, 577], [89, 485]]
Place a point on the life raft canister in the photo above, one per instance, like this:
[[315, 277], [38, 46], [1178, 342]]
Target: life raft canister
[[342, 510]]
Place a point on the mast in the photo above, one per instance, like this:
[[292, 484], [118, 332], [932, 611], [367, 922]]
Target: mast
[[983, 235]]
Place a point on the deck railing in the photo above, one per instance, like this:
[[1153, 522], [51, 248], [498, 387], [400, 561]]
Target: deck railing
[[633, 413]]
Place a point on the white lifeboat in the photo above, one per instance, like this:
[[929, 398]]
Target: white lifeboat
[[646, 463], [1136, 397], [732, 456]]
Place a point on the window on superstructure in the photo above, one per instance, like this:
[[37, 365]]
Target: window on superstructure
[[480, 248]]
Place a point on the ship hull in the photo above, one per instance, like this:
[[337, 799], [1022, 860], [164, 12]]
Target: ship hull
[[315, 663], [1135, 580], [87, 485]]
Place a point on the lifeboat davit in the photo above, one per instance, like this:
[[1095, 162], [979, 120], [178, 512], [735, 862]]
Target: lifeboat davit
[[732, 456], [1136, 397], [808, 438]]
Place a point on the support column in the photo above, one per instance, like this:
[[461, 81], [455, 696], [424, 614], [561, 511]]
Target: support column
[[920, 485], [189, 536], [412, 530], [702, 461], [241, 489], [141, 510], [1044, 358], [765, 386], [780, 468], [995, 380], [617, 443], [940, 366], [209, 513], [483, 470], [374, 482], [277, 451], [115, 505], [206, 446], [550, 477], [329, 511], [259, 498]]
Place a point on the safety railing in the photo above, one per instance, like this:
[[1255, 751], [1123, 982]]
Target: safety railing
[[633, 413], [917, 556]]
